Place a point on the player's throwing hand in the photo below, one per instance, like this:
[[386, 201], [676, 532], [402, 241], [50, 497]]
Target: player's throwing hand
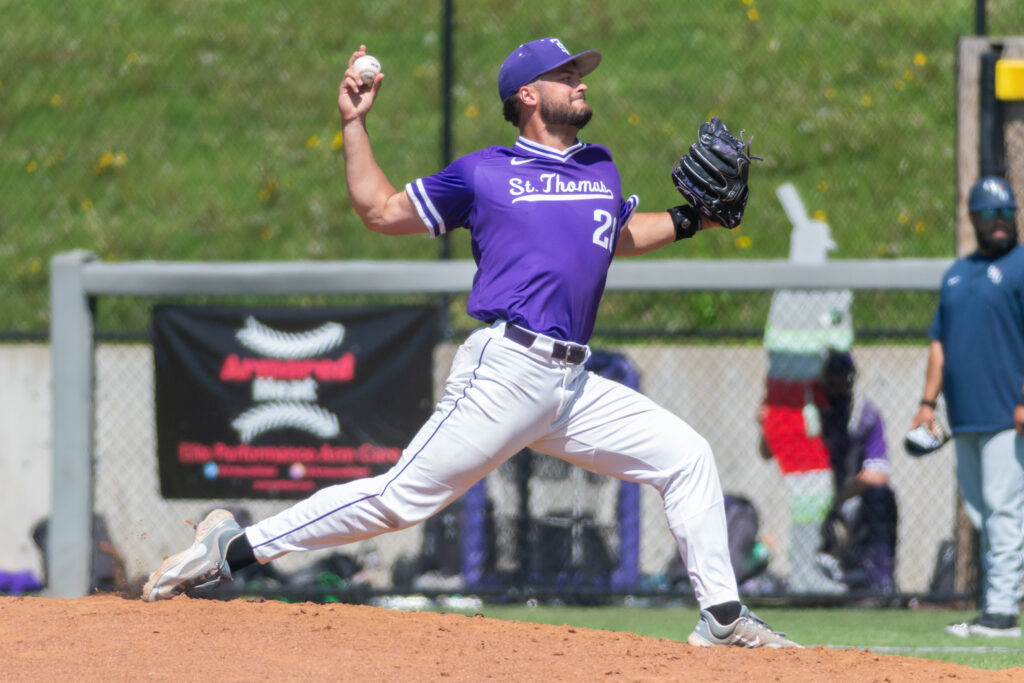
[[355, 96]]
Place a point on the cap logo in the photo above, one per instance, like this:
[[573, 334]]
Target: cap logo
[[997, 189], [557, 43]]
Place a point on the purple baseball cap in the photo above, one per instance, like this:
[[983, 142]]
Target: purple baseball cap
[[530, 60]]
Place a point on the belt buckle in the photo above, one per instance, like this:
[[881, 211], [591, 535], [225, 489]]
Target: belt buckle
[[569, 353]]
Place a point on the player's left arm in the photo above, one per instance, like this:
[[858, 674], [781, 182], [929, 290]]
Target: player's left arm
[[650, 230]]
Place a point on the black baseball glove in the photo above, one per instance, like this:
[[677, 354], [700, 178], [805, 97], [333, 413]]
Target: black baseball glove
[[835, 535], [713, 174], [923, 440]]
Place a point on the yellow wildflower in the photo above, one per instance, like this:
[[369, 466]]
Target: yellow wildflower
[[109, 159], [268, 191]]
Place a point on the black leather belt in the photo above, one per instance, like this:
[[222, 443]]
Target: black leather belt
[[570, 353]]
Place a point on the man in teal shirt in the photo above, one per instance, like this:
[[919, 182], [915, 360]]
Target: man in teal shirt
[[976, 359]]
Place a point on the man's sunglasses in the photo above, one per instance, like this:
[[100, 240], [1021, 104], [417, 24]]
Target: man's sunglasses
[[991, 214]]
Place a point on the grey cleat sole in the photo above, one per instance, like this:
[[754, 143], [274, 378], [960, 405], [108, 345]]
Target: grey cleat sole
[[169, 579]]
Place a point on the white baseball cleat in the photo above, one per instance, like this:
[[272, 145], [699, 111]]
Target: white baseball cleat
[[989, 625], [747, 631], [200, 565]]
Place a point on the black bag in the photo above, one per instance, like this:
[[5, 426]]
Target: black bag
[[569, 549], [743, 524]]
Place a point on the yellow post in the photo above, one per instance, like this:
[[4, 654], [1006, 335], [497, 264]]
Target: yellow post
[[1010, 79]]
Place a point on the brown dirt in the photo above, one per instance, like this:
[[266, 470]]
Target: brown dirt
[[103, 638]]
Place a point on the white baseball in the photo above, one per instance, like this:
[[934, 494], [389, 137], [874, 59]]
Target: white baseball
[[367, 67]]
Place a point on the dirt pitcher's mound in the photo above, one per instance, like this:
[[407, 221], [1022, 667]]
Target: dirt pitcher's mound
[[105, 638]]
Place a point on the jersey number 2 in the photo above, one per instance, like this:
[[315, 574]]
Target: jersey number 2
[[605, 229]]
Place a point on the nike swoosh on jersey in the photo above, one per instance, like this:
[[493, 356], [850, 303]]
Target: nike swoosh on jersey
[[516, 161]]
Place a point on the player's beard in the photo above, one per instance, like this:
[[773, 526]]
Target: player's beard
[[991, 244], [565, 114]]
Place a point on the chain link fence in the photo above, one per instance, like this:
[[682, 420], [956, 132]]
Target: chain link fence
[[235, 157], [543, 528]]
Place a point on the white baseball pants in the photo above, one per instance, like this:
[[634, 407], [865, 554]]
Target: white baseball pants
[[501, 397]]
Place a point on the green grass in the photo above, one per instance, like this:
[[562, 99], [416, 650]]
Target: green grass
[[208, 130], [912, 633]]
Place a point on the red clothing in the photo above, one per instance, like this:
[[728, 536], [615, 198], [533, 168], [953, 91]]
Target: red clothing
[[785, 431]]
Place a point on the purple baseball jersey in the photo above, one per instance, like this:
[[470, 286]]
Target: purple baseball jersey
[[544, 226], [854, 435]]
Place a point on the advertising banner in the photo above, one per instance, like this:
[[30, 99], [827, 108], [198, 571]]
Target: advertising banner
[[276, 403]]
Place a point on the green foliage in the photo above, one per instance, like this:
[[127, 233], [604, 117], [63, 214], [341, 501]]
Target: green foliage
[[207, 130]]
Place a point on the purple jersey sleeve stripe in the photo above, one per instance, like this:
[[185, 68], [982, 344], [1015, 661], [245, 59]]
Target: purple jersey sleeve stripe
[[425, 208], [628, 209]]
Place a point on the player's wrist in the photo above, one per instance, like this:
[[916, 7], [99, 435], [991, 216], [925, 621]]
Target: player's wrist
[[686, 220], [353, 122], [926, 403]]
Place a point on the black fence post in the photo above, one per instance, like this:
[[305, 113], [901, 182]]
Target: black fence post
[[447, 84]]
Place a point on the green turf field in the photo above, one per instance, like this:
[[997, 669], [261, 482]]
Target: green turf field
[[912, 633]]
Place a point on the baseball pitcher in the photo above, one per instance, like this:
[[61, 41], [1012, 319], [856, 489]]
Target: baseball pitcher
[[546, 217]]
